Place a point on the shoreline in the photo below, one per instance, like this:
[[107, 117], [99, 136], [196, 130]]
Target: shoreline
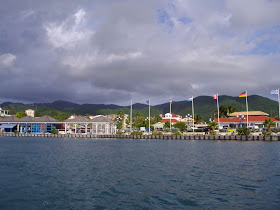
[[152, 137]]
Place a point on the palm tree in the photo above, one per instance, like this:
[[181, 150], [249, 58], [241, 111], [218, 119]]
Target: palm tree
[[230, 109], [198, 118], [213, 124], [268, 124], [225, 110], [222, 111]]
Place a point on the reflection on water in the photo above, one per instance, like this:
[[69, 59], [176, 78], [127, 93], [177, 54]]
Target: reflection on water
[[87, 174]]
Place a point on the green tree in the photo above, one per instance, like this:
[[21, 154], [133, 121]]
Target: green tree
[[61, 116], [20, 114], [180, 125], [54, 131], [157, 118], [120, 119], [198, 118], [224, 111], [140, 120], [166, 125], [230, 109], [268, 124], [139, 114], [243, 131], [213, 124]]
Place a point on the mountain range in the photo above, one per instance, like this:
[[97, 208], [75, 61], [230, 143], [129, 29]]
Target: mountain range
[[205, 106]]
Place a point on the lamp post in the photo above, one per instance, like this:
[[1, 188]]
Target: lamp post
[[119, 120], [241, 117], [147, 121], [188, 118]]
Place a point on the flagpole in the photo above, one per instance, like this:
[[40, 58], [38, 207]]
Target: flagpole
[[170, 114], [247, 108], [130, 116], [149, 115], [193, 114], [218, 110]]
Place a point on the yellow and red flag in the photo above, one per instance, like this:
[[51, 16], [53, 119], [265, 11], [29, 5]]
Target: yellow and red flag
[[243, 94]]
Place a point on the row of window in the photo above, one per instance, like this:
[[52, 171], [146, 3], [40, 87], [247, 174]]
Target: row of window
[[37, 127]]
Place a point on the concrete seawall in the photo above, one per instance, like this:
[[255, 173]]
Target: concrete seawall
[[156, 137]]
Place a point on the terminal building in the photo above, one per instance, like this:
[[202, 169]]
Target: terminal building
[[79, 124]]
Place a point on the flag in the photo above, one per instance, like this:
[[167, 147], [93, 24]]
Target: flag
[[243, 95], [215, 96], [276, 91], [190, 98], [170, 101], [148, 102]]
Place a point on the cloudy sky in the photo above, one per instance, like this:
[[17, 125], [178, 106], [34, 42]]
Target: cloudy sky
[[114, 51]]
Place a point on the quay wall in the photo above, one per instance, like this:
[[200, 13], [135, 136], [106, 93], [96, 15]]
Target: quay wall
[[155, 137]]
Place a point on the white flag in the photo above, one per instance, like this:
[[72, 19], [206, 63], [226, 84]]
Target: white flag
[[276, 91]]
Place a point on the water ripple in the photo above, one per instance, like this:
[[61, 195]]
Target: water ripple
[[121, 174]]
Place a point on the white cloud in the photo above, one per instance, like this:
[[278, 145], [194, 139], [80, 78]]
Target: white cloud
[[7, 60], [126, 49], [254, 13], [69, 32]]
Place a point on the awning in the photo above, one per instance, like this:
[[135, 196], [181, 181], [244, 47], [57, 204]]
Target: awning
[[8, 125]]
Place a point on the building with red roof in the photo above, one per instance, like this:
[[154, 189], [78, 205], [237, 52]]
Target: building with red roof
[[174, 118], [255, 119]]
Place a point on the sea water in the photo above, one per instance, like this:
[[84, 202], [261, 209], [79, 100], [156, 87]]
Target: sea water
[[64, 173]]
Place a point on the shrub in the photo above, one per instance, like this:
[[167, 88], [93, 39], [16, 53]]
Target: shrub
[[199, 130], [54, 131], [243, 131], [223, 130], [212, 132], [177, 133], [275, 130], [136, 133], [119, 132], [255, 130], [267, 133], [173, 130], [157, 133], [15, 132]]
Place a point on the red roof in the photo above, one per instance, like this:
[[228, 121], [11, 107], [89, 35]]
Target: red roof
[[168, 120], [251, 119], [175, 115]]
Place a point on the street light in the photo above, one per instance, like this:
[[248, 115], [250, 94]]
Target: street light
[[188, 118], [241, 117]]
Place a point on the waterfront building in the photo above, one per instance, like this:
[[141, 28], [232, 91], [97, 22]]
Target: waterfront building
[[158, 126], [28, 124], [239, 119], [174, 118], [30, 112], [4, 112], [96, 125]]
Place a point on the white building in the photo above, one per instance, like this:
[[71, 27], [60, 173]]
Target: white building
[[172, 116], [4, 112], [30, 112]]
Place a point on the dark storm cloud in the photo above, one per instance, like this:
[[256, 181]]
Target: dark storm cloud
[[115, 51]]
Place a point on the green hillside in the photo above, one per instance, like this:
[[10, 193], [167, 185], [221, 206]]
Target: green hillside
[[205, 106]]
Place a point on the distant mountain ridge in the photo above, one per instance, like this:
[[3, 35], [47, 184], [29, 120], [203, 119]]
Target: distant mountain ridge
[[205, 106]]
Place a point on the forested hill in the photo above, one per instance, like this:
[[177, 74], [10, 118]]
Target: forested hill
[[205, 106]]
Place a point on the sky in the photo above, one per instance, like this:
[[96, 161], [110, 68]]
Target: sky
[[115, 51]]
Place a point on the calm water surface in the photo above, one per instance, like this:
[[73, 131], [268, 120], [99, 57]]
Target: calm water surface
[[42, 173]]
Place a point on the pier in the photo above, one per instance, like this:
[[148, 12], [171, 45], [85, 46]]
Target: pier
[[149, 137]]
